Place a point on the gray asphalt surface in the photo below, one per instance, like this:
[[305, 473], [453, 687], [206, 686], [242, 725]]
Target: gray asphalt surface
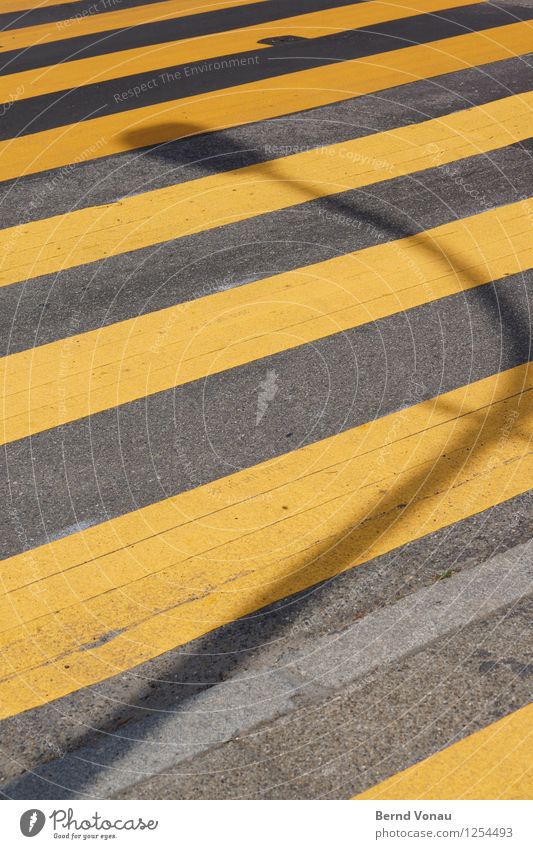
[[452, 628], [331, 745], [373, 729], [136, 282], [136, 454]]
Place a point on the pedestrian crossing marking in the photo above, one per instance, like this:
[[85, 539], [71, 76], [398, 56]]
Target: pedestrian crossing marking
[[260, 100], [95, 603], [65, 380], [29, 5], [39, 34], [65, 241], [245, 541], [139, 60], [493, 763]]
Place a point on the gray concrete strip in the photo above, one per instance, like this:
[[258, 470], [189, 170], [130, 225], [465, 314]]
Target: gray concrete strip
[[319, 669], [377, 726], [393, 632], [159, 686]]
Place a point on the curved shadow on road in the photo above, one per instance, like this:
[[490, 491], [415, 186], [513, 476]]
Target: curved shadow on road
[[380, 507]]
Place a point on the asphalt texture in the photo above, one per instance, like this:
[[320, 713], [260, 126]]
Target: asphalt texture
[[136, 454], [330, 741], [467, 681], [42, 113], [451, 634]]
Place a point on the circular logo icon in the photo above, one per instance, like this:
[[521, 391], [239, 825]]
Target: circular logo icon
[[32, 822]]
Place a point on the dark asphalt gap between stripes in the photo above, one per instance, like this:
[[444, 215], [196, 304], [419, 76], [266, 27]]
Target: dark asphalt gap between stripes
[[165, 683], [101, 181], [48, 111], [87, 297], [160, 32], [65, 11], [116, 461]]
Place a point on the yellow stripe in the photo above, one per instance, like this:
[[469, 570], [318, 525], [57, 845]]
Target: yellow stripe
[[256, 101], [31, 5], [173, 571], [83, 236], [494, 763], [75, 27], [84, 374], [152, 57]]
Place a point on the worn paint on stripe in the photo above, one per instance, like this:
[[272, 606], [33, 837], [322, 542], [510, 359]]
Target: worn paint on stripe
[[83, 236], [119, 19], [89, 606], [150, 58], [257, 101], [494, 763], [117, 364]]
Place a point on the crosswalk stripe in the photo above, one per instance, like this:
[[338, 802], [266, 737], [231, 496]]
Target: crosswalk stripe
[[149, 58], [494, 763], [85, 374], [92, 420], [198, 23], [25, 5], [94, 183], [256, 101], [23, 13], [64, 241], [183, 81], [40, 34], [86, 607]]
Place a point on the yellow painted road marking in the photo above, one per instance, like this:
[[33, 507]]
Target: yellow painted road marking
[[89, 606], [494, 763], [85, 374], [30, 5], [74, 27], [152, 57], [256, 101], [64, 241]]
